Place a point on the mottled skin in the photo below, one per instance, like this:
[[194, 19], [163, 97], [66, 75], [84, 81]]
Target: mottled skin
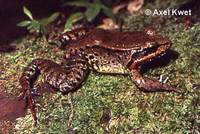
[[103, 51]]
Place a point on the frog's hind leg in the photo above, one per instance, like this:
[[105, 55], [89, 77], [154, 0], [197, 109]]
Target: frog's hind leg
[[27, 79], [62, 79], [149, 85]]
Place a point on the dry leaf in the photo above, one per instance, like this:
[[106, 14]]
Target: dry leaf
[[109, 24], [117, 8], [135, 5]]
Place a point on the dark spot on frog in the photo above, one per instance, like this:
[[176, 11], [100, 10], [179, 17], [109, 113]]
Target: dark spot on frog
[[81, 49], [96, 54], [91, 57], [112, 61]]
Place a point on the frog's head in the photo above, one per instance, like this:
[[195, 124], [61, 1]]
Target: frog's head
[[156, 40], [153, 46]]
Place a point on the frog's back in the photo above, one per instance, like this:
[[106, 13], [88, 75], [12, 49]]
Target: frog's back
[[115, 40]]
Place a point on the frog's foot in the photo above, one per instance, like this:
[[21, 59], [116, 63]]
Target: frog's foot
[[29, 97], [149, 85], [31, 104], [32, 95]]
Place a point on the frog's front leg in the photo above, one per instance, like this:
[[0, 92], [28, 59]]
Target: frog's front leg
[[149, 85], [63, 79]]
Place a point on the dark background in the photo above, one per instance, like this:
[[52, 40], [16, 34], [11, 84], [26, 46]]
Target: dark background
[[11, 13]]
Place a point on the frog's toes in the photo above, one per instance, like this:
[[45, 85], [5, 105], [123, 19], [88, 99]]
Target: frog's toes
[[161, 79]]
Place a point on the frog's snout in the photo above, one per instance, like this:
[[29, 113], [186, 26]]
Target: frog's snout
[[163, 40]]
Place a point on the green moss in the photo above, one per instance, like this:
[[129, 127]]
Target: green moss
[[132, 110]]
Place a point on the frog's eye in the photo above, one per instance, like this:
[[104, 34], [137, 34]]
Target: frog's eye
[[150, 31]]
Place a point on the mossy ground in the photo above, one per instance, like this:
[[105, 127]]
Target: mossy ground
[[132, 110]]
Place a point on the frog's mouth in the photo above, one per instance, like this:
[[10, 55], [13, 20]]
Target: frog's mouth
[[151, 52]]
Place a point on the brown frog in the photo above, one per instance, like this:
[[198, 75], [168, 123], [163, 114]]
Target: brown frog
[[103, 51]]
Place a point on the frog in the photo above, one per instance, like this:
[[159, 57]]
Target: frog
[[97, 50]]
